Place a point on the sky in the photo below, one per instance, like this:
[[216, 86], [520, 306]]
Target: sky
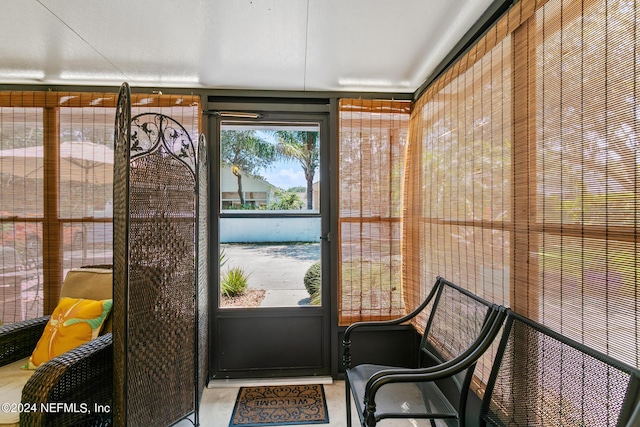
[[285, 174]]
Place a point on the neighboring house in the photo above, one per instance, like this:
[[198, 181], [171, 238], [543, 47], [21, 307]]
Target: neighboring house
[[257, 191], [272, 228]]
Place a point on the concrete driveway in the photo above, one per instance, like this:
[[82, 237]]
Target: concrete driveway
[[277, 268]]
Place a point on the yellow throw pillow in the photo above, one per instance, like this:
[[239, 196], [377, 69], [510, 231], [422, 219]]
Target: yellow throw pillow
[[73, 322]]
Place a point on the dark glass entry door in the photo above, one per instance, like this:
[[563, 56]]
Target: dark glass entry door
[[271, 310]]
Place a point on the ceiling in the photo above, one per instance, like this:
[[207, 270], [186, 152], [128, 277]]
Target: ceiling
[[301, 45]]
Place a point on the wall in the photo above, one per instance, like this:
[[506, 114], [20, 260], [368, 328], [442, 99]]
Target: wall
[[261, 229]]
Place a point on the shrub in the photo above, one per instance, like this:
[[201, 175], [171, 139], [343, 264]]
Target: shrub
[[286, 200], [312, 282], [316, 298], [234, 282], [223, 258]]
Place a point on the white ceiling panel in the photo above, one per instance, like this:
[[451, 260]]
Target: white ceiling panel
[[147, 41], [336, 45], [383, 45], [255, 44], [37, 47]]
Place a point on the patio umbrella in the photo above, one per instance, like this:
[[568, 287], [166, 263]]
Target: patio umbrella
[[83, 161]]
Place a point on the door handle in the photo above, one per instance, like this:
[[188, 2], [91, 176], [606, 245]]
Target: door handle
[[326, 237]]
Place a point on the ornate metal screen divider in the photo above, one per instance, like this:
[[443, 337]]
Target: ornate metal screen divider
[[202, 306], [159, 329]]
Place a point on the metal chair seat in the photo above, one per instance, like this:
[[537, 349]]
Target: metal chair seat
[[459, 327], [401, 400]]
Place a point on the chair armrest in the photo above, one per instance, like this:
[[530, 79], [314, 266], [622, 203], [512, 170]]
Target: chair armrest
[[346, 341], [398, 321], [463, 361], [81, 378], [17, 340], [635, 418]]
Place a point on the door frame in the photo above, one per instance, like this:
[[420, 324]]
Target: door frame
[[324, 317]]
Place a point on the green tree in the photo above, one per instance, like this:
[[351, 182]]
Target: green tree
[[303, 147], [286, 200], [245, 152]]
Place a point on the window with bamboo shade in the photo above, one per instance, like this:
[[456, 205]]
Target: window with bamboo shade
[[373, 139], [56, 171], [523, 172]]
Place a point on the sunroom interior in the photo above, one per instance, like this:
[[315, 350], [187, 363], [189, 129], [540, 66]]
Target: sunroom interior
[[490, 143]]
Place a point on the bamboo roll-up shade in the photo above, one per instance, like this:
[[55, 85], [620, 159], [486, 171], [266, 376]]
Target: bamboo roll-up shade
[[56, 171], [523, 171], [587, 199], [459, 182], [373, 137], [52, 99]]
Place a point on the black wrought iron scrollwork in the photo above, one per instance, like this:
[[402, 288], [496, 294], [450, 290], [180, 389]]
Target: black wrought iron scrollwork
[[154, 131], [202, 267], [155, 196], [122, 136], [203, 167], [122, 155], [123, 116]]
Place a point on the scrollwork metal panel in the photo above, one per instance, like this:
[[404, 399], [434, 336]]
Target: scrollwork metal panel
[[203, 265], [152, 131], [162, 282], [122, 137], [158, 325]]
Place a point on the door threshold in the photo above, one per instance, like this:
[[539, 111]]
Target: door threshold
[[253, 382]]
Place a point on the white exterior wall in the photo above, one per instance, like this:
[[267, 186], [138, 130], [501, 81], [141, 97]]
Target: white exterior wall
[[229, 182], [240, 230], [250, 184]]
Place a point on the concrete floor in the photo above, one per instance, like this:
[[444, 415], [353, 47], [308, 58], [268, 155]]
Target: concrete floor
[[277, 268], [218, 402]]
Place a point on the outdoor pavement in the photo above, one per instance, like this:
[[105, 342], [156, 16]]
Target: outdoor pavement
[[277, 268]]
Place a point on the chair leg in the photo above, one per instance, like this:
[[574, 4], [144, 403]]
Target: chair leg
[[347, 398]]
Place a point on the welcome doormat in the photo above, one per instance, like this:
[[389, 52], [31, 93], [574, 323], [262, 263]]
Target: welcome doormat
[[280, 405]]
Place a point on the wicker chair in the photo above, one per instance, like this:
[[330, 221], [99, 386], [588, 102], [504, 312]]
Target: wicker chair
[[459, 328], [81, 377], [542, 378]]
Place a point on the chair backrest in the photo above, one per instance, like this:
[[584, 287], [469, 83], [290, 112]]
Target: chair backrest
[[540, 377], [90, 283], [455, 323], [456, 318]]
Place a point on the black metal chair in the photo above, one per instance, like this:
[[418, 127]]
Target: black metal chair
[[540, 377], [459, 327]]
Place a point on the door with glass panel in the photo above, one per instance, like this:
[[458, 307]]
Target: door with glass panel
[[271, 315]]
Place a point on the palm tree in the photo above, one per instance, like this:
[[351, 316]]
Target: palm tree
[[245, 152], [303, 147]]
